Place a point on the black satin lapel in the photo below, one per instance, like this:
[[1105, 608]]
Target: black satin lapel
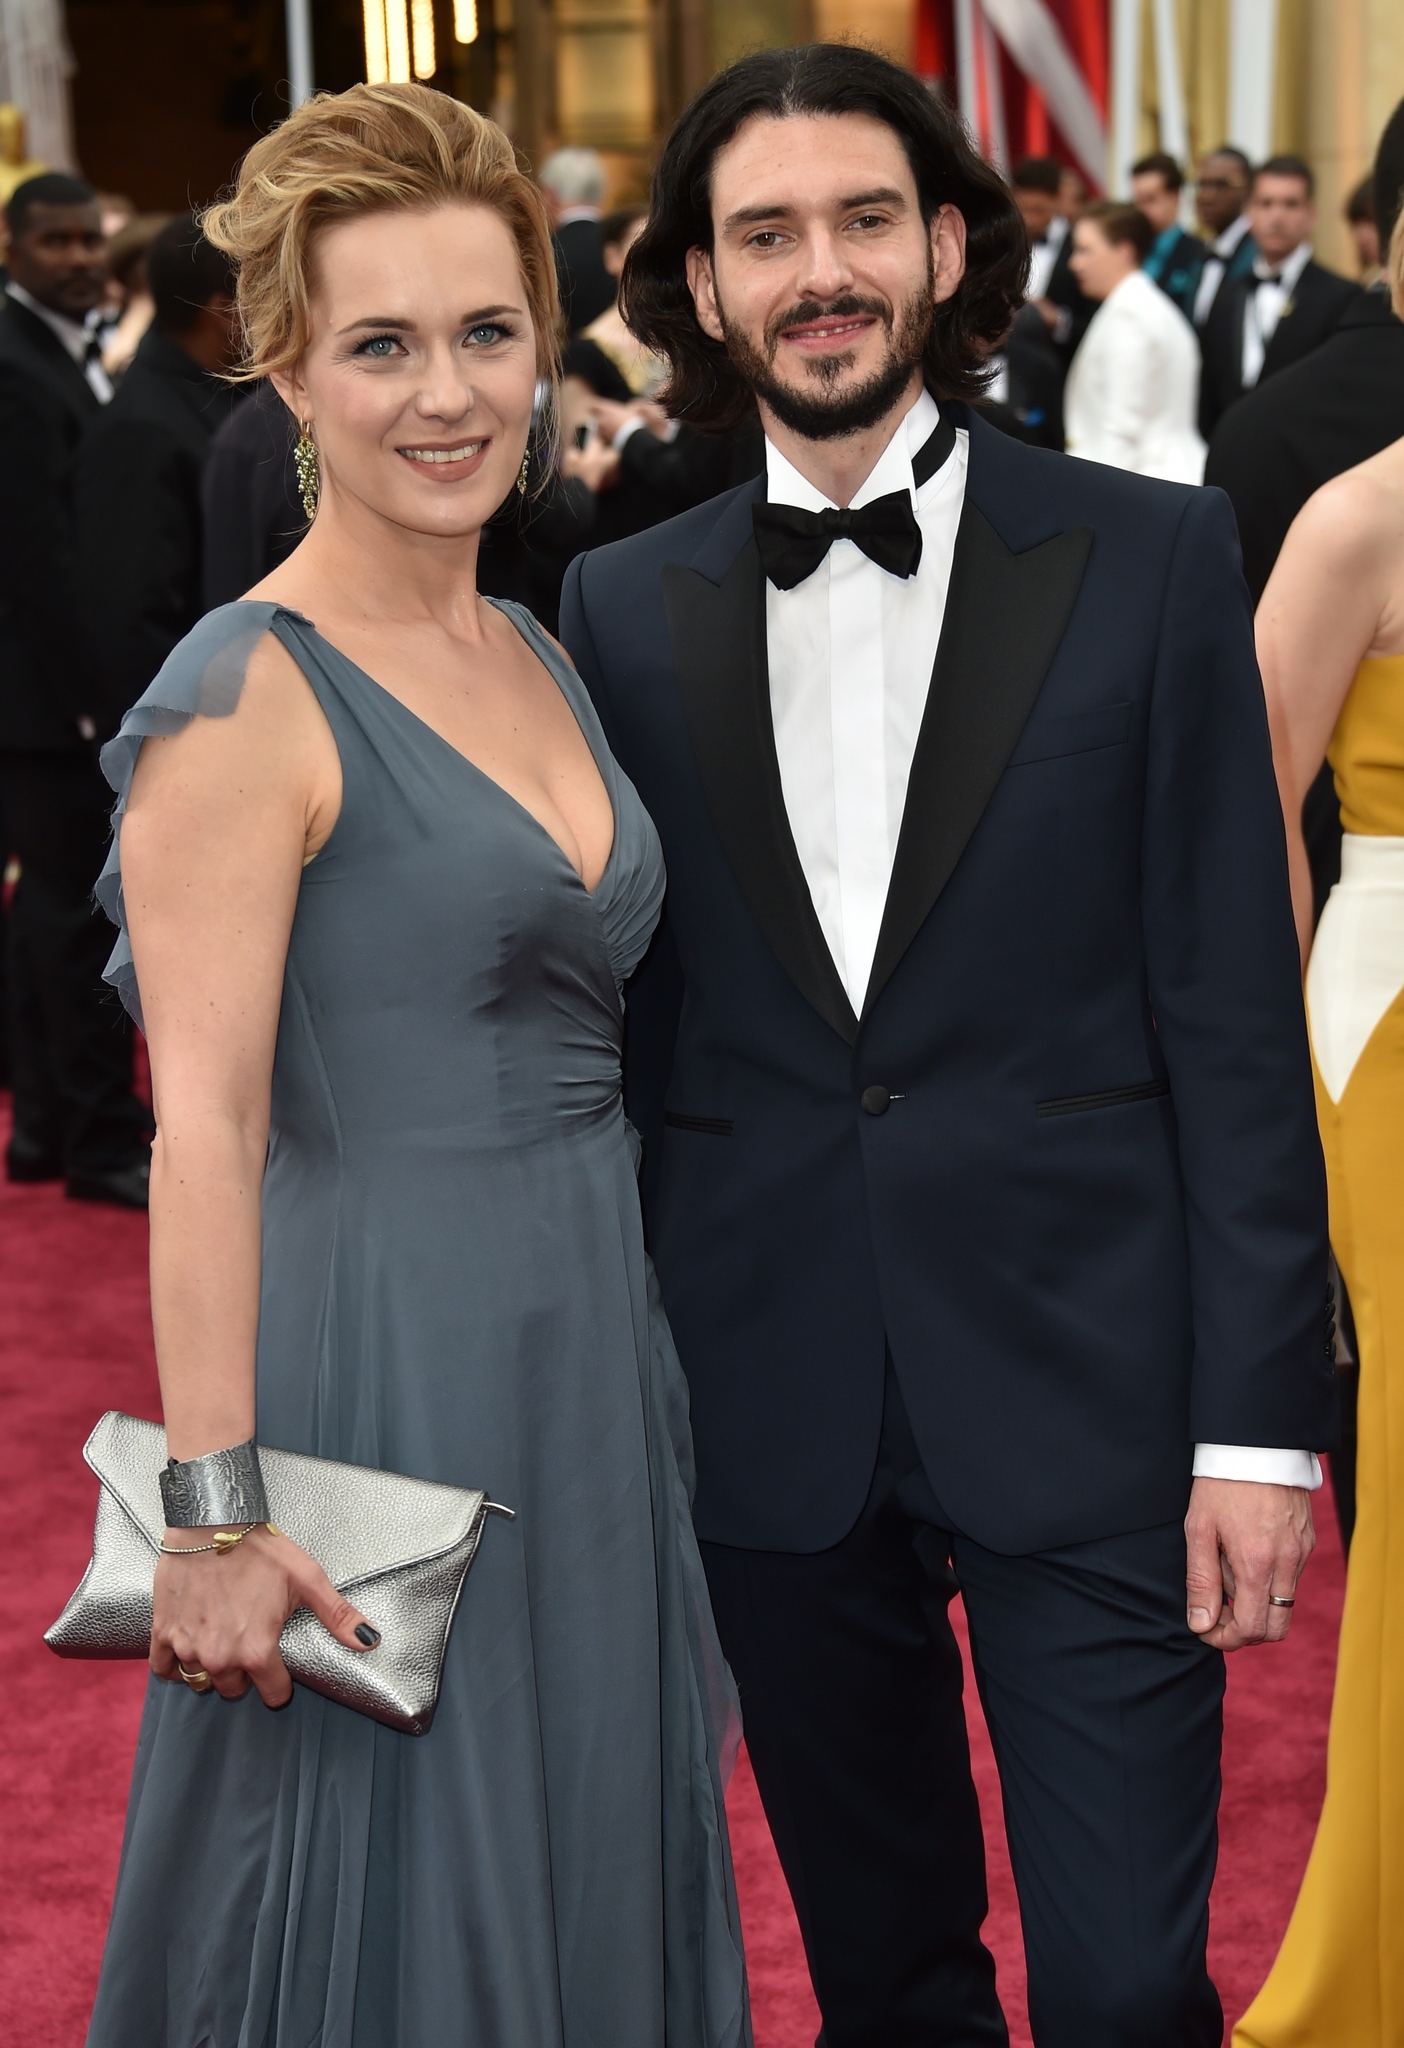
[[718, 635], [1005, 616]]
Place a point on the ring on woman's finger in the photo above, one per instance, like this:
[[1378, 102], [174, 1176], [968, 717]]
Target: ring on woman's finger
[[197, 1680], [1280, 1600]]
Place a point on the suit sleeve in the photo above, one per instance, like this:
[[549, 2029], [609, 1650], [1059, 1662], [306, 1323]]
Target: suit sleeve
[[38, 571], [1225, 990], [137, 518]]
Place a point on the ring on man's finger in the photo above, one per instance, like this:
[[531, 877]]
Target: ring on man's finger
[[198, 1680], [1281, 1600]]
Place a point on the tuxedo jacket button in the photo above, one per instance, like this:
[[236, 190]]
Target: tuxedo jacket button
[[875, 1100]]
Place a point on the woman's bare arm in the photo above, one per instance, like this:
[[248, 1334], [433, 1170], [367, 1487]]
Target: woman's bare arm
[[1317, 620], [221, 819]]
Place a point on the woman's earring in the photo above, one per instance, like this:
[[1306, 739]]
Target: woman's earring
[[309, 482], [526, 465]]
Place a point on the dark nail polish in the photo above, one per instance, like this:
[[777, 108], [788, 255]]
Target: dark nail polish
[[367, 1635]]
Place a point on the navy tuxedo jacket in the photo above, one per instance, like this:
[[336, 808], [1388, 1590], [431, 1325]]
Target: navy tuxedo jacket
[[1090, 1222]]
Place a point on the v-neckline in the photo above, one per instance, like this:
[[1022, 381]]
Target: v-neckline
[[470, 764]]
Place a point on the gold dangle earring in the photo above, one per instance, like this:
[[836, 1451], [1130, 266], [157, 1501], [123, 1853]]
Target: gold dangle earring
[[309, 482], [526, 465]]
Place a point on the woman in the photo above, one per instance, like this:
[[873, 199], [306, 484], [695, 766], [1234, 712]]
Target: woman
[[1331, 643], [383, 881], [1133, 389], [605, 359], [604, 364]]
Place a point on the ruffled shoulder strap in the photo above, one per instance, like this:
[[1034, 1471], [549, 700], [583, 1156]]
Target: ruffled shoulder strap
[[202, 677]]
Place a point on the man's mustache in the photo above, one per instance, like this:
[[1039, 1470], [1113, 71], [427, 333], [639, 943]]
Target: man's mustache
[[843, 307]]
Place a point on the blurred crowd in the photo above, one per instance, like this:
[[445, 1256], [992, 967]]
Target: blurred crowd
[[144, 485]]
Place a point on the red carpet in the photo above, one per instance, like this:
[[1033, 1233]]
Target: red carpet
[[75, 1339]]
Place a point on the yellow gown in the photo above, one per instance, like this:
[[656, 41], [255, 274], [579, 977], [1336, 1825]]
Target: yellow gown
[[1338, 1981]]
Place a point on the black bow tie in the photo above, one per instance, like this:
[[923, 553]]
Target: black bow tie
[[793, 543]]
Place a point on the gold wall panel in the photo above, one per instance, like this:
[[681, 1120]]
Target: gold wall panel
[[605, 73]]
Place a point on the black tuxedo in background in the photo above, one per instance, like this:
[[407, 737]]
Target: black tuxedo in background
[[138, 518], [251, 513], [1338, 406], [585, 286], [1318, 304], [1067, 295], [45, 403], [70, 1046], [959, 1282], [1039, 361]]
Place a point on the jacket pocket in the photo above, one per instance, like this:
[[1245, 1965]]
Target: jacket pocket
[[1084, 732], [709, 1126], [1105, 1098]]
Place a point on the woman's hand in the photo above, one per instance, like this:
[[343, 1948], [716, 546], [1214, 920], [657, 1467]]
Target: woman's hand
[[224, 1614]]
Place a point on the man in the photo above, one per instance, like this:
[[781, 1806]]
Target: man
[[1176, 259], [1046, 333], [990, 1184], [251, 510], [1221, 205], [136, 486], [75, 1115], [573, 187], [1284, 306], [1340, 405]]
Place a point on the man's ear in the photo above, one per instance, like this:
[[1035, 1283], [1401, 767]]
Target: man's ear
[[702, 285], [947, 251]]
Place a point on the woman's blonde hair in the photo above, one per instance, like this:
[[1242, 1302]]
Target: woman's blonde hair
[[374, 149], [1395, 266]]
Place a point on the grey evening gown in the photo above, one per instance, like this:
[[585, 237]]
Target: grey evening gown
[[454, 1285]]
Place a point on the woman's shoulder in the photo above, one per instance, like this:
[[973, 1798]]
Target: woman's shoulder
[[1358, 513], [204, 676]]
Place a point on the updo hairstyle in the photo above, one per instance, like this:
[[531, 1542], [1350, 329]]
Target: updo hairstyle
[[374, 149]]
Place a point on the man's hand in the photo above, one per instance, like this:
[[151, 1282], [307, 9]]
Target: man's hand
[[1245, 1540], [610, 415]]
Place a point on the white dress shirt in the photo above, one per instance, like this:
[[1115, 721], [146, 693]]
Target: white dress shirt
[[850, 653], [851, 650], [1265, 305], [1221, 251], [76, 338], [1044, 254]]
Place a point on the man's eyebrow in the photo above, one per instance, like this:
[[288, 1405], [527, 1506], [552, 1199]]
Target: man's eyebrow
[[752, 216]]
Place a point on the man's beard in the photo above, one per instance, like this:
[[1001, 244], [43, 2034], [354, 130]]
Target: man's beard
[[823, 412]]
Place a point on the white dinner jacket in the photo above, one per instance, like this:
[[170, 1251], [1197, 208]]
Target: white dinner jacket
[[1133, 390]]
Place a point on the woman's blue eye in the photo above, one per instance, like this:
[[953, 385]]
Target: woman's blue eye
[[378, 346], [486, 333]]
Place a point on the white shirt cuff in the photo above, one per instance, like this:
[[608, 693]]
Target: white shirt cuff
[[626, 432], [1267, 1467]]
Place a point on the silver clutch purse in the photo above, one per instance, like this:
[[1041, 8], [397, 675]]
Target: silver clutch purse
[[398, 1548]]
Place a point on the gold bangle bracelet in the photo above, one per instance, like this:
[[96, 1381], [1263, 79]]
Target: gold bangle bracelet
[[224, 1541]]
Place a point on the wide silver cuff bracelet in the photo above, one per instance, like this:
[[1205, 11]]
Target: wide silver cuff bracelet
[[223, 1486]]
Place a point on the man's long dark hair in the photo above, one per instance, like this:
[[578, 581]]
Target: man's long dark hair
[[705, 388]]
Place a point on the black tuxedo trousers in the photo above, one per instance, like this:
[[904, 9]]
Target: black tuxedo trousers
[[1105, 1714]]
